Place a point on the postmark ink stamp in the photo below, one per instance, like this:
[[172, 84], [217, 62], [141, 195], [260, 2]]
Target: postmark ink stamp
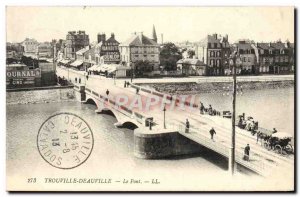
[[65, 140]]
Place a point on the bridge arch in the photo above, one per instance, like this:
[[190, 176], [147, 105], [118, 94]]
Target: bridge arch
[[130, 125], [122, 119], [91, 101]]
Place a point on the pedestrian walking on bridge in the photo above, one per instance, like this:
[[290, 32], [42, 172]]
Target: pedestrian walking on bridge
[[125, 84], [212, 133], [201, 108], [107, 92], [187, 126], [247, 153]]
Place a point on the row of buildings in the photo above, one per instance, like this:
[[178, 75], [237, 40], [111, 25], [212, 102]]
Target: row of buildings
[[31, 48], [108, 56], [211, 57]]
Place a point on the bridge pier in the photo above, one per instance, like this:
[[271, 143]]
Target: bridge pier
[[118, 124], [149, 145], [80, 92]]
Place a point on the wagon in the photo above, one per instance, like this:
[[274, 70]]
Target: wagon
[[280, 142]]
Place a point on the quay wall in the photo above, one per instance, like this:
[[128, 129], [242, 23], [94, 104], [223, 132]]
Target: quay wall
[[213, 87], [40, 95], [162, 145]]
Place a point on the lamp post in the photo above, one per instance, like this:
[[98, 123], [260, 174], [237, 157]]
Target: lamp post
[[165, 116], [115, 78], [231, 161]]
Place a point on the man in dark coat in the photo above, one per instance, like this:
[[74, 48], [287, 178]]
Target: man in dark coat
[[212, 133], [201, 108], [107, 92], [247, 152], [187, 126]]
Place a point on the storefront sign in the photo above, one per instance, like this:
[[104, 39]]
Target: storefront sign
[[23, 73]]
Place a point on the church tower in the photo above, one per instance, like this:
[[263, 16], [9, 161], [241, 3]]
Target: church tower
[[154, 37]]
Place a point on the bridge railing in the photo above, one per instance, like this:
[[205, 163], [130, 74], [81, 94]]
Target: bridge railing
[[159, 94]]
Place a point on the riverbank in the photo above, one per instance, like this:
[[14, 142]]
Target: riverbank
[[215, 87], [40, 95]]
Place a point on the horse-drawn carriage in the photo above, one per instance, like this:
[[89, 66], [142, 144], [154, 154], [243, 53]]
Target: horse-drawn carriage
[[280, 142]]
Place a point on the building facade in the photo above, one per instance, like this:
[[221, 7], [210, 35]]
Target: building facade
[[74, 42], [274, 58], [140, 48], [191, 67], [30, 46], [45, 50], [107, 51], [248, 62], [213, 51]]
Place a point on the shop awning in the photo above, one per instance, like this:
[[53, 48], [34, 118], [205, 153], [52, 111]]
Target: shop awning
[[77, 63], [63, 61], [93, 68], [109, 68]]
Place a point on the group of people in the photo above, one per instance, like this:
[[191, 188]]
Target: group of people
[[209, 110], [126, 84], [249, 124]]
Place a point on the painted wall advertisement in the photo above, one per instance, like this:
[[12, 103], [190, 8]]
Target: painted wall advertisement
[[23, 78]]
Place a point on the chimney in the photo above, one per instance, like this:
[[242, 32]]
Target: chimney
[[287, 44], [98, 37], [270, 44], [140, 34], [226, 37], [215, 36], [103, 37], [112, 36]]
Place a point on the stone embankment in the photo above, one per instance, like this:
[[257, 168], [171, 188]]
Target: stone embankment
[[213, 87], [40, 96]]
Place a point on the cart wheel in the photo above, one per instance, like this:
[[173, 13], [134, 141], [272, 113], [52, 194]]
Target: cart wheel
[[289, 149], [278, 149]]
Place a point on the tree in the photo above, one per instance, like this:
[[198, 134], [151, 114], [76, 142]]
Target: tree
[[142, 67], [169, 55], [190, 53]]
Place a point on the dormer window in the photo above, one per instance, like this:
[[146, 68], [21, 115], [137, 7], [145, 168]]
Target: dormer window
[[270, 51]]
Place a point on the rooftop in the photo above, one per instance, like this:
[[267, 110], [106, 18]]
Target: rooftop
[[138, 39]]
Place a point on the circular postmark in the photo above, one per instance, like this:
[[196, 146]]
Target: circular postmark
[[65, 140]]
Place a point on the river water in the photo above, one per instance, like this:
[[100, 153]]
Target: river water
[[113, 148], [272, 108]]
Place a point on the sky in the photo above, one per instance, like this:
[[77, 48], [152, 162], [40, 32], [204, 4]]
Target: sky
[[177, 24]]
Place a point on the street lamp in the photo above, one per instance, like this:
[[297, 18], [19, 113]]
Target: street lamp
[[115, 78], [165, 115], [231, 160]]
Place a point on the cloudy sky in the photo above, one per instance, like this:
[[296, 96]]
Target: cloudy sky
[[175, 23]]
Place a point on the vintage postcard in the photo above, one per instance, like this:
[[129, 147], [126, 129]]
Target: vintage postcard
[[150, 98]]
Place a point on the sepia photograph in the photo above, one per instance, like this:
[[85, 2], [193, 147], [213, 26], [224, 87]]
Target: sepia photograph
[[150, 99]]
